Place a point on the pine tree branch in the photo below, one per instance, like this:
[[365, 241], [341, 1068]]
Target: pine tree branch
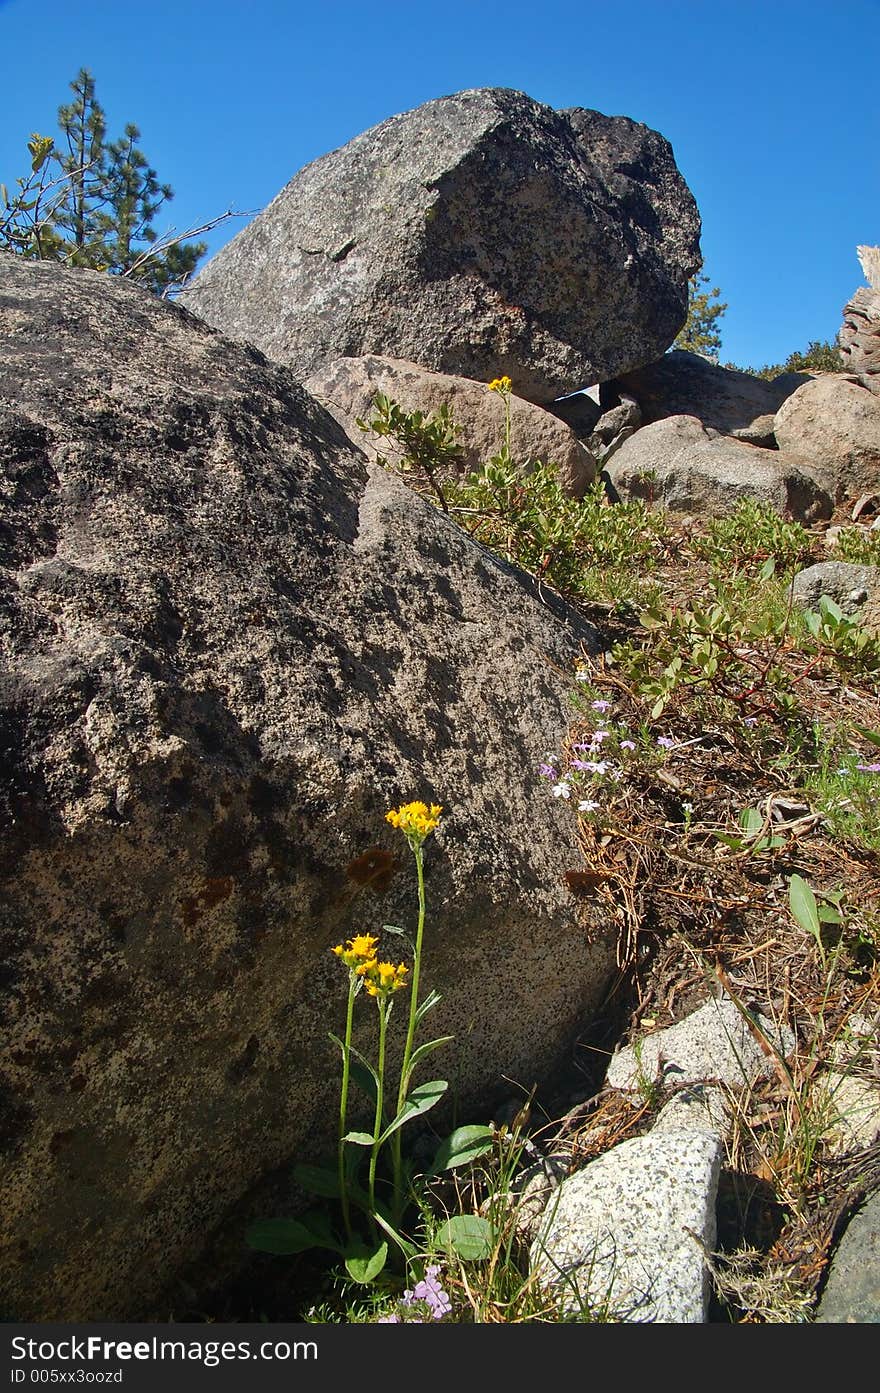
[[172, 238]]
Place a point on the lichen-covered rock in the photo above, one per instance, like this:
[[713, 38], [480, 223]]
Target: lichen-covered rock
[[732, 402], [480, 234], [834, 422], [348, 386], [689, 469], [228, 647]]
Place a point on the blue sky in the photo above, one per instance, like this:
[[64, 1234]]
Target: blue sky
[[768, 106]]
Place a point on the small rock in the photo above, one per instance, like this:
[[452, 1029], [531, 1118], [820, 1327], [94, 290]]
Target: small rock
[[841, 581], [866, 507], [852, 1292], [852, 1109], [834, 422], [627, 1235], [347, 387], [711, 1043], [580, 411], [697, 1107]]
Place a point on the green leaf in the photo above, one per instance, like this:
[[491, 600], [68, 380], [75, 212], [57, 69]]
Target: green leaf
[[750, 820], [359, 1138], [421, 1100], [364, 1075], [364, 1264], [828, 609], [425, 1049], [827, 915], [286, 1236], [872, 735], [408, 1249], [735, 843], [470, 1236], [461, 1146], [39, 147], [317, 1180], [802, 903], [431, 1000], [768, 568]]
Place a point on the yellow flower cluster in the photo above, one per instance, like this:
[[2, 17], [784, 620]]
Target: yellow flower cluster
[[500, 384], [381, 979], [415, 819], [358, 953]]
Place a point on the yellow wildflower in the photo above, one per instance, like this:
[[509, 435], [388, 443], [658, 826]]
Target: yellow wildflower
[[500, 384], [358, 953], [415, 820], [381, 979]]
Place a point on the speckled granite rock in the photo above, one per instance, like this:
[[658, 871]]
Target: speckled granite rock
[[852, 1292], [854, 589], [678, 463], [834, 422], [732, 402], [480, 234], [713, 1043], [698, 1107], [228, 646], [622, 1230], [348, 386]]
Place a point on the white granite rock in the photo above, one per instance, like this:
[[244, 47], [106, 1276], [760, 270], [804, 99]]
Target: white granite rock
[[626, 1236], [711, 1043], [699, 1107]]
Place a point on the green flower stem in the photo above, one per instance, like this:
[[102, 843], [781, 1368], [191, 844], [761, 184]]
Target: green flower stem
[[396, 1140], [384, 1012], [343, 1103]]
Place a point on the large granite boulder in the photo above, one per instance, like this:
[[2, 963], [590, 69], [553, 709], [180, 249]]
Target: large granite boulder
[[689, 469], [228, 647], [732, 402], [834, 422], [348, 387], [481, 234]]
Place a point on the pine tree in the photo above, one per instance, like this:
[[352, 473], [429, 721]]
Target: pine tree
[[83, 127], [104, 200], [700, 333]]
